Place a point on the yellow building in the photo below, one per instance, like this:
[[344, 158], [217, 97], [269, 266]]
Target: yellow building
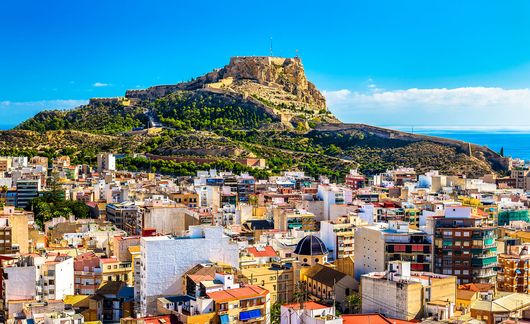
[[114, 270], [344, 265], [189, 199], [18, 221], [277, 279], [91, 307]]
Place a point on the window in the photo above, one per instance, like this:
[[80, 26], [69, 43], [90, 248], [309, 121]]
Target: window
[[458, 233], [466, 233]]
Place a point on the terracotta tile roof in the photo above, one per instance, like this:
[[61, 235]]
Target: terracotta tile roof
[[198, 278], [311, 305], [465, 294], [109, 260], [246, 292], [268, 251], [482, 287]]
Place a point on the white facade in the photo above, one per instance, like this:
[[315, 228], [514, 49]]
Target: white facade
[[164, 259], [59, 279], [106, 162], [20, 283]]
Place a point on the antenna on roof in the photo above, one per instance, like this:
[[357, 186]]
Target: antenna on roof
[[270, 48]]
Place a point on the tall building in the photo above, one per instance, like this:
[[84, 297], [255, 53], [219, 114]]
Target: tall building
[[106, 162], [164, 259], [381, 243], [464, 246], [338, 237]]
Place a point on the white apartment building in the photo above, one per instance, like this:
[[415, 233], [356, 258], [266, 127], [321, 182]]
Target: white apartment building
[[164, 259]]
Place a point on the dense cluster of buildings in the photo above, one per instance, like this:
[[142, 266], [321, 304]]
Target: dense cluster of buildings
[[219, 247]]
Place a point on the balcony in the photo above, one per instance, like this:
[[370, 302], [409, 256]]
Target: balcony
[[488, 261]]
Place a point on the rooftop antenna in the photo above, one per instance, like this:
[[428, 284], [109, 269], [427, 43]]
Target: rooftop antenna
[[270, 49], [296, 55]]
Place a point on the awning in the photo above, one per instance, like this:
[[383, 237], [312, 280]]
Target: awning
[[244, 316], [224, 319]]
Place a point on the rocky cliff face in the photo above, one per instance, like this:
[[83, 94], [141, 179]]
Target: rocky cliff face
[[277, 82], [285, 73]]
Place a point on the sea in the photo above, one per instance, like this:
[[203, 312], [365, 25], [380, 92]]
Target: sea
[[514, 140]]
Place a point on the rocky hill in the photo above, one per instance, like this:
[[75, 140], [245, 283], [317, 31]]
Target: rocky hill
[[254, 107]]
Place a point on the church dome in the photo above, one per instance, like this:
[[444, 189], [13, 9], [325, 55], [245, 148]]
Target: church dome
[[311, 245]]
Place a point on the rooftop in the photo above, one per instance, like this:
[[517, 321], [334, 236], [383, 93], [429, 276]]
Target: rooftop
[[246, 292]]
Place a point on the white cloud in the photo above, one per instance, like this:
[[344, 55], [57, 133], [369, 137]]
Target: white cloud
[[439, 106], [101, 84], [14, 112]]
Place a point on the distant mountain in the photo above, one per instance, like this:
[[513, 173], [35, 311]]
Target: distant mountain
[[260, 107]]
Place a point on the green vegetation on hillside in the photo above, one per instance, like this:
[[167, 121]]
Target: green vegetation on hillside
[[103, 118], [204, 110]]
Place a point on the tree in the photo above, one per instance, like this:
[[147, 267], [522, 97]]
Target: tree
[[276, 313], [354, 303]]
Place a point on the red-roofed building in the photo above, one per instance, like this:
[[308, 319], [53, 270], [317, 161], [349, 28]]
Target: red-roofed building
[[249, 303], [262, 254]]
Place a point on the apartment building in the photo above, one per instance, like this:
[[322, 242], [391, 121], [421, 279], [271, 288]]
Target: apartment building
[[106, 162], [339, 237], [513, 271], [123, 215], [404, 294], [113, 269], [276, 278], [379, 244], [26, 190], [249, 304], [87, 273], [164, 259], [5, 236], [287, 219], [464, 246], [521, 176]]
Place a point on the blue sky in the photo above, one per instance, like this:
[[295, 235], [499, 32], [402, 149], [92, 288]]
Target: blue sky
[[379, 62]]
